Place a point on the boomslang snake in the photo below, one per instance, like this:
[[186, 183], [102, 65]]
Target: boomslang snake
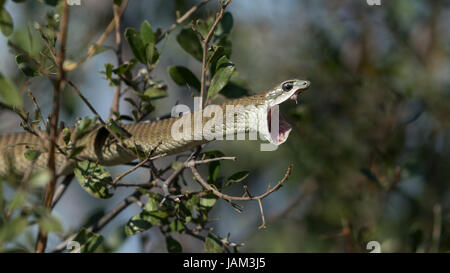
[[154, 137]]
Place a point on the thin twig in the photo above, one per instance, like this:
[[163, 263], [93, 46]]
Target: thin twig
[[236, 198], [117, 17], [263, 223], [134, 197], [100, 41], [36, 105], [307, 188], [58, 86], [118, 178], [205, 41], [86, 101], [182, 19], [59, 192], [249, 197]]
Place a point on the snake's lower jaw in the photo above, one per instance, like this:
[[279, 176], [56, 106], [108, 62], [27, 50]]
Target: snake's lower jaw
[[284, 129]]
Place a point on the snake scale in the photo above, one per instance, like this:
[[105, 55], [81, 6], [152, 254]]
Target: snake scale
[[157, 137]]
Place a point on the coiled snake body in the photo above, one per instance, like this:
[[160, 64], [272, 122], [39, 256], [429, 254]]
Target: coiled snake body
[[156, 137]]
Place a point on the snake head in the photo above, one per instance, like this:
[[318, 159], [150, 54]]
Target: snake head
[[287, 90]]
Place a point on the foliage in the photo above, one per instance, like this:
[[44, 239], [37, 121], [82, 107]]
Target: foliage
[[371, 134]]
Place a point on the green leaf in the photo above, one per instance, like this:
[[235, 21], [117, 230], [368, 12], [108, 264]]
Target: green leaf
[[214, 54], [76, 151], [188, 40], [151, 215], [234, 89], [152, 54], [214, 170], [225, 25], [176, 226], [137, 225], [9, 92], [173, 246], [225, 42], [108, 70], [183, 76], [224, 70], [31, 154], [212, 244], [6, 23], [237, 177], [49, 223], [100, 49], [155, 93], [93, 178], [26, 67], [193, 201], [203, 27], [12, 228], [84, 126], [213, 154], [66, 135], [136, 44], [17, 200], [147, 35], [125, 68], [175, 165], [40, 178], [88, 241], [117, 129], [208, 201]]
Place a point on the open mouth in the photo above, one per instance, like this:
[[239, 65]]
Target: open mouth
[[279, 136], [284, 128]]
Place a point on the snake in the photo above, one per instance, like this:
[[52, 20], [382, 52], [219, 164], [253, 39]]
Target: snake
[[157, 137]]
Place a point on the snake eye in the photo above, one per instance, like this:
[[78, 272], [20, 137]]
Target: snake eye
[[287, 86]]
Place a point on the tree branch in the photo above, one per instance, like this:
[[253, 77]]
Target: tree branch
[[208, 37], [116, 10], [100, 41], [182, 19], [248, 198], [58, 86]]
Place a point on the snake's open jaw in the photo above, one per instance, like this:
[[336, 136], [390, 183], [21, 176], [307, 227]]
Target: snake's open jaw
[[295, 95], [284, 128]]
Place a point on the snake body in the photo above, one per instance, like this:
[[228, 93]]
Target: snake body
[[153, 137]]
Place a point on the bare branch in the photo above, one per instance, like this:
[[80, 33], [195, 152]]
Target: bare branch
[[59, 192], [249, 197], [118, 178], [58, 86], [208, 37], [182, 19], [235, 198], [116, 10], [134, 197], [100, 40]]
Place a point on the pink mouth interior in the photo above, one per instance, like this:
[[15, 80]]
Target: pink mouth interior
[[295, 95], [284, 128]]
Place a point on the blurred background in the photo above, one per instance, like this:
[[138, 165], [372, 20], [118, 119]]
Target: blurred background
[[370, 146]]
